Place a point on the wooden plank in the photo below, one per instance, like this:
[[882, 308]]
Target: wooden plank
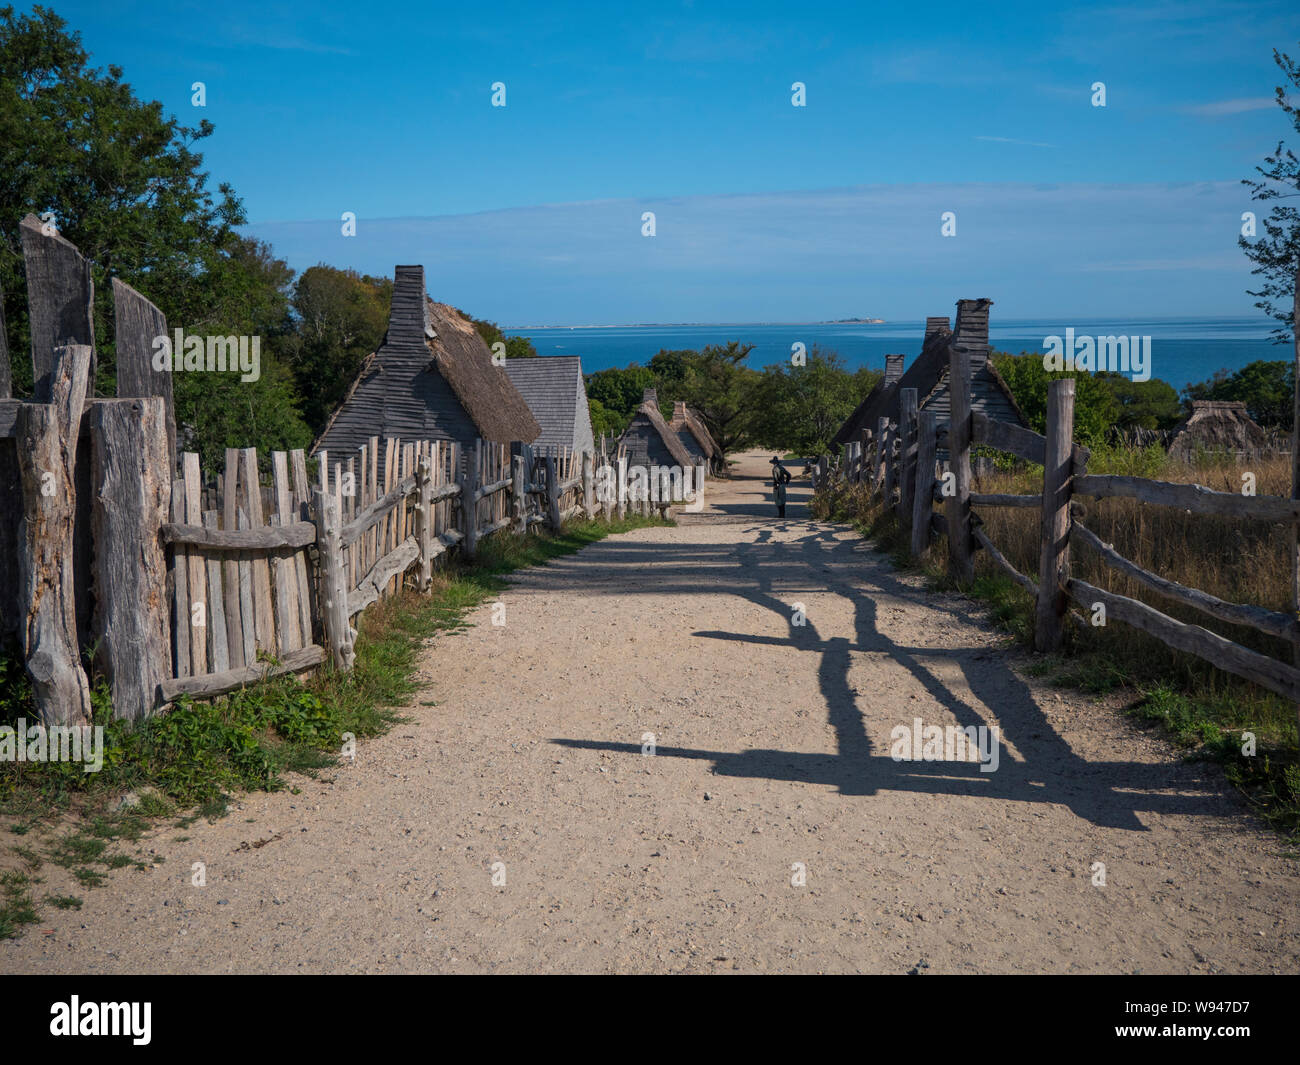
[[1210, 646], [1006, 567], [215, 684], [387, 569], [1054, 526], [1193, 497], [286, 573], [60, 302], [554, 518], [330, 582], [217, 633], [961, 565], [180, 568], [250, 498], [46, 447], [469, 505], [379, 509], [196, 578], [298, 534], [923, 481], [907, 425], [247, 600], [230, 565], [136, 323], [995, 499], [1271, 621], [301, 500]]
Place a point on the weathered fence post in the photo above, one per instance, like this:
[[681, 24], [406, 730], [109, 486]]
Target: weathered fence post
[[923, 480], [46, 435], [907, 407], [823, 469], [132, 488], [880, 467], [424, 520], [1058, 481], [331, 585], [588, 485], [469, 501], [518, 488], [890, 482], [622, 487], [552, 493], [961, 542]]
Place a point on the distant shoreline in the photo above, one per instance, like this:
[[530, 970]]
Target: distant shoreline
[[691, 325]]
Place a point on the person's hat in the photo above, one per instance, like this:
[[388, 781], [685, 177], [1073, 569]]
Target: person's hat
[[775, 461]]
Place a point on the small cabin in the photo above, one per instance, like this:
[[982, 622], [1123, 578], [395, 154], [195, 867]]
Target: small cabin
[[553, 388]]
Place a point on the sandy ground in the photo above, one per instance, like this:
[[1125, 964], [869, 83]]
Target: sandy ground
[[515, 823]]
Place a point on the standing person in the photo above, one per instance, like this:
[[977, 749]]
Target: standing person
[[780, 478]]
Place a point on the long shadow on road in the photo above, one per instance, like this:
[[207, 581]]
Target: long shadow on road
[[773, 573]]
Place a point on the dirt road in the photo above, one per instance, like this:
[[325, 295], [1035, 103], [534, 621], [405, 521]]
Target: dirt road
[[517, 825]]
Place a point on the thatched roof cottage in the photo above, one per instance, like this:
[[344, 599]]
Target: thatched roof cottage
[[553, 388], [651, 441], [1217, 425], [432, 379]]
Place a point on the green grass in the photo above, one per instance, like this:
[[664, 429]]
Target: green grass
[[188, 763], [1201, 710]]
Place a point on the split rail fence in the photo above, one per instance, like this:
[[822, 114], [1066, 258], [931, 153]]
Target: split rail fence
[[899, 461]]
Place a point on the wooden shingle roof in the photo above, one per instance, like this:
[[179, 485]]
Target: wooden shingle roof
[[553, 388]]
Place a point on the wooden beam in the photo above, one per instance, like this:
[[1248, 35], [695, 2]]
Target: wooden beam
[[331, 584], [994, 499], [961, 566], [378, 509], [131, 483], [211, 685], [907, 408], [1194, 497], [923, 481], [1256, 617], [60, 301], [1210, 646], [269, 538], [1054, 527], [47, 449], [391, 565], [136, 324], [997, 558]]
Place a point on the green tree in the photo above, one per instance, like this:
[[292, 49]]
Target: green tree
[[719, 386], [340, 317], [1265, 386], [1095, 407], [801, 408], [121, 180], [1152, 404], [618, 391], [1276, 254]]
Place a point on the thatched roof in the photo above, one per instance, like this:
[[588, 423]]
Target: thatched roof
[[647, 419], [684, 418], [1215, 425], [432, 379]]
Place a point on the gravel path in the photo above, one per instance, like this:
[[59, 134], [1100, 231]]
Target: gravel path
[[772, 752]]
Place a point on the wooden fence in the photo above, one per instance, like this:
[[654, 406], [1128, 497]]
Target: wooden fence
[[899, 462], [193, 582]]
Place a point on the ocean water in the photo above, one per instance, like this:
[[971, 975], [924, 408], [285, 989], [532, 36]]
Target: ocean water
[[1183, 350]]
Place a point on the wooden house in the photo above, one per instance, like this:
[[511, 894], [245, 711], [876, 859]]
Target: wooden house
[[651, 441], [432, 379], [928, 374], [553, 388]]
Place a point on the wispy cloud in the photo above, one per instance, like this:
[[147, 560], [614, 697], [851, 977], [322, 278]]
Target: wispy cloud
[[1012, 140], [1232, 107]]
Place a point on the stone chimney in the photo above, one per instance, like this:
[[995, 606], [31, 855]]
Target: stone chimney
[[408, 320], [972, 332], [893, 368]]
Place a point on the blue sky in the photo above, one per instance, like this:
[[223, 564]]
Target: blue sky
[[531, 213]]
